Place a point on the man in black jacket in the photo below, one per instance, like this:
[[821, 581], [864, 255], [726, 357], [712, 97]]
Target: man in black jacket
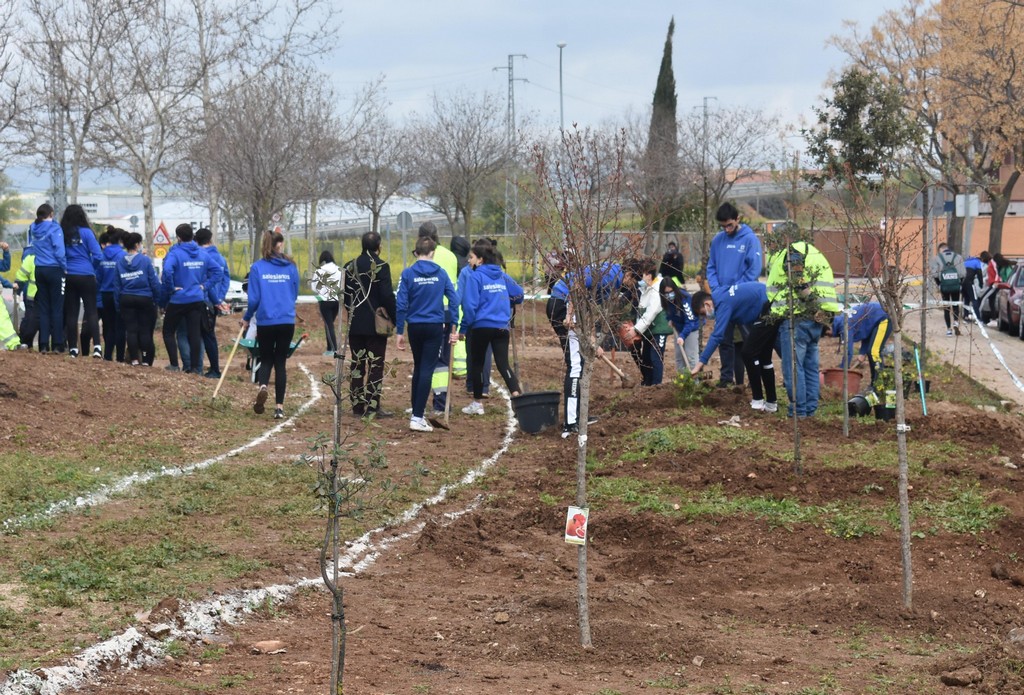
[[672, 264], [367, 288]]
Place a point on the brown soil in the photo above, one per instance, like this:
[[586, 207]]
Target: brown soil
[[486, 603]]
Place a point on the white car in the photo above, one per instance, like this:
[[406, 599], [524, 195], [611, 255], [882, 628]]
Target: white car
[[236, 297]]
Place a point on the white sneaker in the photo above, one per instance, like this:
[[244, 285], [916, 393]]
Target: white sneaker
[[771, 407], [757, 405], [73, 352], [97, 351], [949, 332], [474, 408], [956, 324], [418, 424], [994, 323]]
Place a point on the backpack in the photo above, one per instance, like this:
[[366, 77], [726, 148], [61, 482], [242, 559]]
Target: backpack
[[949, 279]]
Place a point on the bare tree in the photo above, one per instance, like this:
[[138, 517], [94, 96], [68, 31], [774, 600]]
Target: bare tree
[[376, 167], [266, 137], [11, 91], [71, 59], [729, 147], [459, 149]]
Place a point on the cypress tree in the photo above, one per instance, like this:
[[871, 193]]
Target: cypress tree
[[661, 156]]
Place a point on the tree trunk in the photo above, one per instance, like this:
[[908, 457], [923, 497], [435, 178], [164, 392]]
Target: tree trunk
[[1000, 204], [955, 235], [904, 475], [311, 236], [149, 230], [582, 601]]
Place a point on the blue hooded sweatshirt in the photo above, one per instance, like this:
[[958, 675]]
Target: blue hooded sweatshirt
[[863, 320], [487, 298], [734, 258], [742, 304], [83, 253], [422, 289], [216, 292], [136, 276], [682, 317], [108, 267], [273, 290], [187, 274], [48, 241], [610, 280]]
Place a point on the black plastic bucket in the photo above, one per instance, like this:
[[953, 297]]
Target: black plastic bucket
[[858, 406], [883, 413], [536, 411]]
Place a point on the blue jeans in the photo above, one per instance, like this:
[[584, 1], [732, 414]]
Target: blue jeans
[[808, 388]]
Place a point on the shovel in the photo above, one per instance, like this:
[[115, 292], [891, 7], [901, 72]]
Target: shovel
[[438, 422], [515, 357], [626, 381], [224, 371]]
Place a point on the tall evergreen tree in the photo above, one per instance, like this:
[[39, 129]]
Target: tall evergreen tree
[[659, 197]]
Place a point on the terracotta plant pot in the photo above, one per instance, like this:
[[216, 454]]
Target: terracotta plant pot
[[833, 378]]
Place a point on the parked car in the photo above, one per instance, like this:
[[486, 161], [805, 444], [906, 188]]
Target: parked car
[[1009, 295], [237, 297]]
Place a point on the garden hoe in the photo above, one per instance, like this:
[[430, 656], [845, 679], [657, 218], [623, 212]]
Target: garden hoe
[[626, 381], [224, 371]]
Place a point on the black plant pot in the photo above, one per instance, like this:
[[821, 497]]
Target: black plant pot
[[883, 413], [912, 387]]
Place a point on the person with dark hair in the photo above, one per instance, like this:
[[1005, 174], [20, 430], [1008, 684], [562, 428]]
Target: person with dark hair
[[869, 324], [325, 283], [987, 301], [213, 304], [745, 305], [273, 291], [367, 289], [83, 259], [461, 247], [136, 293], [189, 280], [113, 328], [486, 303], [420, 305], [676, 302], [450, 263], [672, 264], [734, 258], [51, 267], [971, 288], [651, 326], [948, 271]]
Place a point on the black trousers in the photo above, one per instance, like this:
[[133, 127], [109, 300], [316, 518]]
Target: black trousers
[[951, 297], [113, 329], [81, 290], [367, 370], [138, 314], [275, 342], [758, 345], [29, 323], [329, 313], [191, 314], [497, 339]]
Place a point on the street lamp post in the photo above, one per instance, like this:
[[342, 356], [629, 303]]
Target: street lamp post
[[561, 95]]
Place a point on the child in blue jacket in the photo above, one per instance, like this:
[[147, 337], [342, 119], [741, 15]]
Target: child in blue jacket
[[486, 314], [136, 291], [419, 305]]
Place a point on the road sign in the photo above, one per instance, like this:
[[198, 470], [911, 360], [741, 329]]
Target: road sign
[[160, 251], [404, 221], [134, 221], [161, 237]]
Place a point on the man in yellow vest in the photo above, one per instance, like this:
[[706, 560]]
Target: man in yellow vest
[[25, 282], [450, 263], [8, 333], [802, 293]]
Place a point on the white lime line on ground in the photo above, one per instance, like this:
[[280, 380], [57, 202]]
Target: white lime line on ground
[[133, 649], [103, 494]]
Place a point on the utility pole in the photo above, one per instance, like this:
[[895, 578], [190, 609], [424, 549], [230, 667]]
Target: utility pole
[[58, 167], [512, 182], [704, 165]]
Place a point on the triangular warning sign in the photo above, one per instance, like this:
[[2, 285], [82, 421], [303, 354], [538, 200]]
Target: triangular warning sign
[[161, 237]]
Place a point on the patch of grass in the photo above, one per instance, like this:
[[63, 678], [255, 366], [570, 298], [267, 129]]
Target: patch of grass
[[686, 439], [549, 499], [966, 512], [213, 653], [673, 682], [175, 649], [883, 456], [235, 680]]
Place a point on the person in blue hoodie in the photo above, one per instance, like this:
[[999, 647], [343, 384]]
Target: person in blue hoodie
[[486, 314], [113, 328], [870, 325], [745, 305], [733, 258], [136, 293], [189, 279], [208, 329], [422, 290], [51, 267], [273, 290], [81, 290]]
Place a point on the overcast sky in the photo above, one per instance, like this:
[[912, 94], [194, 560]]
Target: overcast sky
[[770, 54]]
